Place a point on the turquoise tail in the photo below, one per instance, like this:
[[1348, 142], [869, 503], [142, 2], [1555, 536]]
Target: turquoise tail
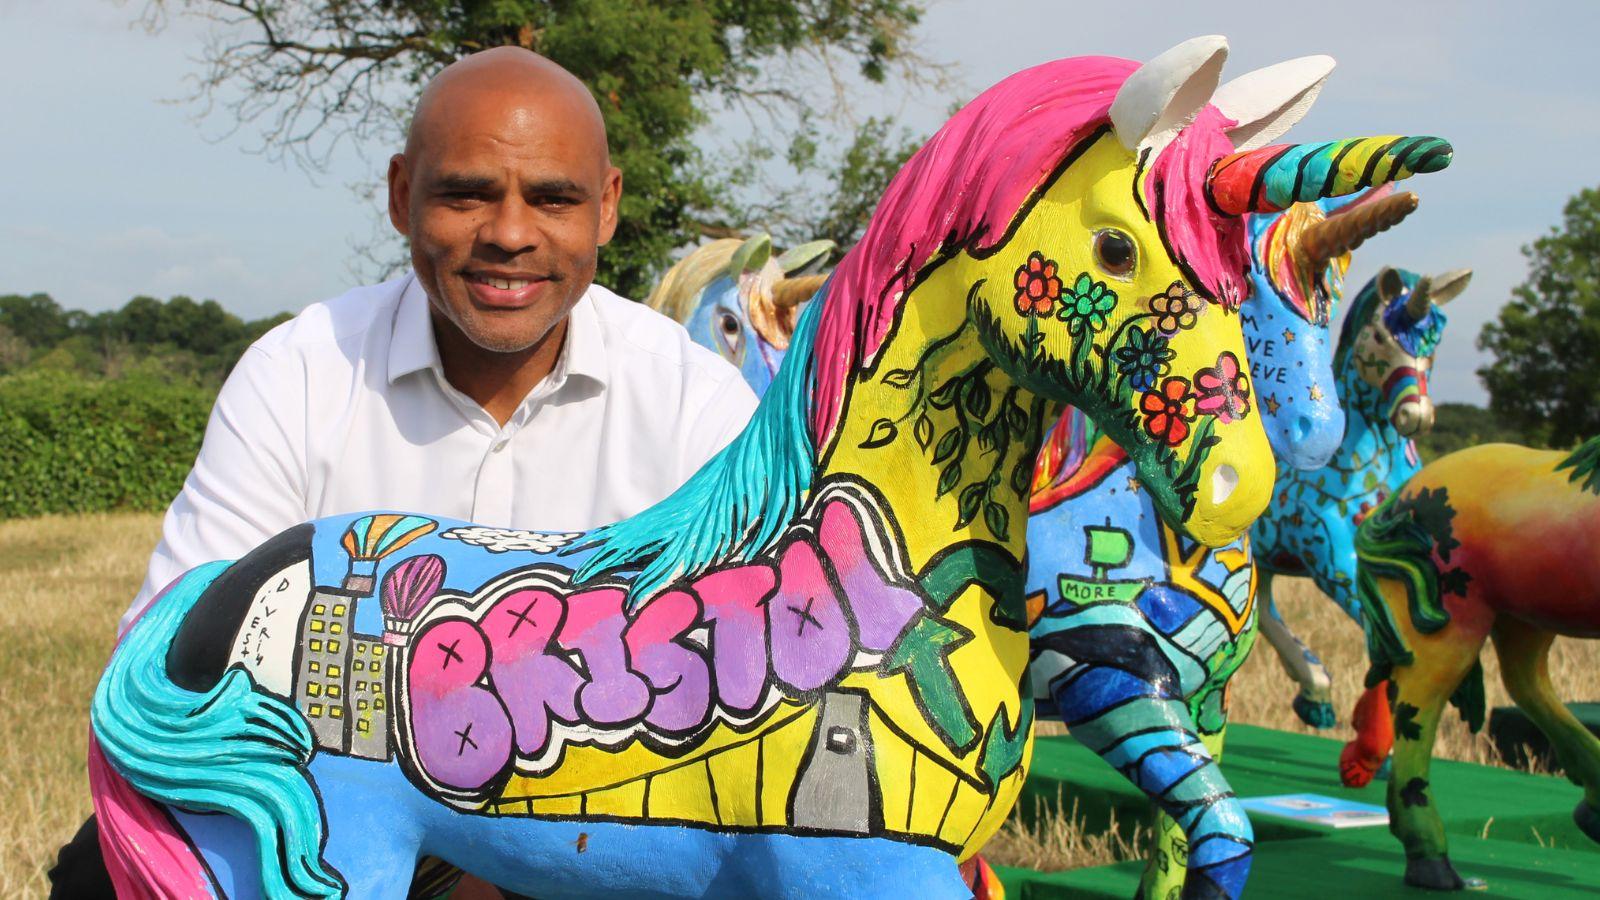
[[255, 746]]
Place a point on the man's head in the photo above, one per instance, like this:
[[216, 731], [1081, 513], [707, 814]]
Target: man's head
[[506, 190]]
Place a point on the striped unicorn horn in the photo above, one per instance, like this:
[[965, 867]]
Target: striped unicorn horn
[[1272, 178]]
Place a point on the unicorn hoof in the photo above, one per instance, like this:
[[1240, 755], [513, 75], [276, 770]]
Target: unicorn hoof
[[1356, 769], [1433, 874], [1588, 819], [1316, 713]]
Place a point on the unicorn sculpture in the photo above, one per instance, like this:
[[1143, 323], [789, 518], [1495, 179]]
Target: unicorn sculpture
[[738, 300], [1385, 348], [803, 673], [1495, 541], [1137, 630]]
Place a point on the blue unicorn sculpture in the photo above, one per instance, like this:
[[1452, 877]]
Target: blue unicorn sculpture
[[1386, 346]]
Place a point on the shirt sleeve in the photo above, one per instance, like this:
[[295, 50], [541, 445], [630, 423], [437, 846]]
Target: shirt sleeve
[[248, 482], [722, 418]]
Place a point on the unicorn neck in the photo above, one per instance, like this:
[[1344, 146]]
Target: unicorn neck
[[1370, 438], [947, 437]]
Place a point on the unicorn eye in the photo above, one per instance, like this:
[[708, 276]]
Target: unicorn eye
[[1114, 252], [731, 334]]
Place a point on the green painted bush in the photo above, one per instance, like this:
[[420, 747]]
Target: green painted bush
[[71, 443]]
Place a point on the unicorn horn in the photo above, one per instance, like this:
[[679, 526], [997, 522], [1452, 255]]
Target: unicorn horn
[[1417, 304], [795, 291], [1344, 232], [1272, 178]]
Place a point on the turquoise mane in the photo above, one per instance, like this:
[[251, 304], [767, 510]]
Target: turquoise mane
[[739, 502]]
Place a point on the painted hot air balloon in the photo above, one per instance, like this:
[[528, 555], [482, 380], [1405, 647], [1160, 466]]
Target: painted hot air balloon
[[406, 590], [371, 538]]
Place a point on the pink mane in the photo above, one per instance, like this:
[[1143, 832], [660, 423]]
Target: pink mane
[[965, 187]]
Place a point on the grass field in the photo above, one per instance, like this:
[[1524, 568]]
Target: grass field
[[65, 580]]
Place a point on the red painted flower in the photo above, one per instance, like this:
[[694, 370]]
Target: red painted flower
[[1223, 391], [1038, 286], [1167, 413]]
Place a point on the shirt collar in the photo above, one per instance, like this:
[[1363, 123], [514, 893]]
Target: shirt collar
[[412, 347]]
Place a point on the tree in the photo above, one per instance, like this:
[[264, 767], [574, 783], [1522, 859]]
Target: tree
[[35, 319], [1545, 377], [311, 73]]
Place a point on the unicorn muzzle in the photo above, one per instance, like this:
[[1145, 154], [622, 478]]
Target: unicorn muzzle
[[1413, 415]]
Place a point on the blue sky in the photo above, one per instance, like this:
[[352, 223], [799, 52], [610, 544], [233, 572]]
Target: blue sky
[[109, 189]]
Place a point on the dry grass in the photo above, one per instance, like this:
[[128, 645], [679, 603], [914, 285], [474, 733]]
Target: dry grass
[[64, 580]]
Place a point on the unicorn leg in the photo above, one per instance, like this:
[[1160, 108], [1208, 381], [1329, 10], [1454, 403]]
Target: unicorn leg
[[1524, 667], [1373, 721], [1314, 703], [1164, 872], [1442, 660], [1141, 727]]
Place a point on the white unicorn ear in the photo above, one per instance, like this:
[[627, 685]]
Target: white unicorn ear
[[1164, 94], [1390, 284], [1448, 285], [1267, 102]]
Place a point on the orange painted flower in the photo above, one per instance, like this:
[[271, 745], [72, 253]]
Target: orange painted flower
[[1038, 286], [1167, 411]]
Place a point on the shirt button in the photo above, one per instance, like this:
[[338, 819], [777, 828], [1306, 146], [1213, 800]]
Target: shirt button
[[499, 445]]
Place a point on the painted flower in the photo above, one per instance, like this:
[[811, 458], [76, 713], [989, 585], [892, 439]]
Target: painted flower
[[1086, 305], [1144, 358], [1223, 391], [1038, 286], [1177, 309], [1167, 413]]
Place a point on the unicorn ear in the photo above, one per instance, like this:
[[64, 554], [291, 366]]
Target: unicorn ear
[[1390, 284], [1164, 94], [1267, 102], [806, 258], [751, 256], [1448, 285]]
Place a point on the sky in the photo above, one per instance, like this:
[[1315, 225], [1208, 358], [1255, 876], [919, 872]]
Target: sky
[[111, 186]]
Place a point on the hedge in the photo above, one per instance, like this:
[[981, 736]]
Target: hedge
[[71, 444]]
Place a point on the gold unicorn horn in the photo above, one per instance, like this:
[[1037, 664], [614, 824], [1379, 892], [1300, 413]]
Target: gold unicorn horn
[[791, 292], [1345, 231]]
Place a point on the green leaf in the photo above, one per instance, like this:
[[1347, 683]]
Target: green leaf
[[947, 445], [949, 478], [967, 504], [923, 431], [998, 519], [883, 431], [978, 397], [1017, 420], [1022, 476], [899, 378], [944, 396]]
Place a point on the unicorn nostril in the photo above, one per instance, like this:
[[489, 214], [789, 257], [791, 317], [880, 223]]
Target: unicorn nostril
[[1223, 481], [1301, 430]]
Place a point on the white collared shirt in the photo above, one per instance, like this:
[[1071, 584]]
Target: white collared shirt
[[345, 408]]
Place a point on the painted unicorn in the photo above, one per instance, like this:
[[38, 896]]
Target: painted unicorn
[[1386, 346], [803, 673], [1495, 541], [1138, 630]]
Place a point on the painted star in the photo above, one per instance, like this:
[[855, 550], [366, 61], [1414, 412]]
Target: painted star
[[1316, 394], [1133, 483], [1271, 400], [1288, 336]]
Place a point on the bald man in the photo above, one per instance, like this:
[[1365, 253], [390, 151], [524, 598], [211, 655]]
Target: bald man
[[494, 383]]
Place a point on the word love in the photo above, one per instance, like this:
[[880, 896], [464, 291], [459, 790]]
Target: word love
[[483, 691]]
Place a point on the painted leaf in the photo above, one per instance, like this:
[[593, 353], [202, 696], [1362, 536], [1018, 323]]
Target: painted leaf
[[899, 378], [1022, 476], [998, 519], [967, 504], [978, 397], [1405, 722], [1017, 419], [949, 478], [923, 431], [947, 445], [882, 432], [944, 396]]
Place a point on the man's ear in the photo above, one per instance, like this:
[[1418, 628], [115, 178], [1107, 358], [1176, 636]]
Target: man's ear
[[610, 196], [399, 194]]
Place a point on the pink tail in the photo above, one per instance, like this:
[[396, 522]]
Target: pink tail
[[146, 855]]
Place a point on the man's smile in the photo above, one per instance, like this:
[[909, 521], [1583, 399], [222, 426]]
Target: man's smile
[[506, 290]]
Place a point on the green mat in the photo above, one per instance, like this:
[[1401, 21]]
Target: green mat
[[1359, 863], [1474, 801]]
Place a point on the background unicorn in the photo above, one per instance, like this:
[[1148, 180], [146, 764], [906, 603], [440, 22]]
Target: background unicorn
[[1493, 541], [1385, 348], [735, 690]]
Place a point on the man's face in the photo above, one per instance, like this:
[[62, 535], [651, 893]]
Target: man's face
[[506, 199]]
